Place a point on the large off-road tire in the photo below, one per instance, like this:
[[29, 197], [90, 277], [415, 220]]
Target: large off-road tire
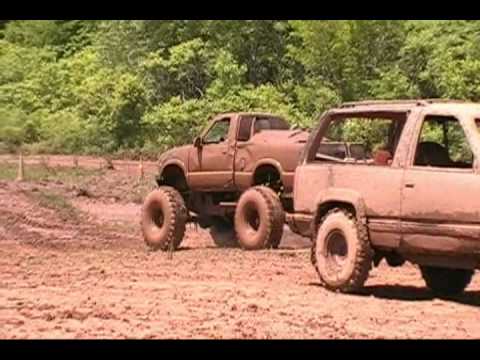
[[341, 252], [164, 216], [259, 219], [278, 216], [443, 281], [223, 233]]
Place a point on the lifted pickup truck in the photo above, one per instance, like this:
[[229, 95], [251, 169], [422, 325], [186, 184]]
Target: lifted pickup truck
[[238, 174], [415, 198]]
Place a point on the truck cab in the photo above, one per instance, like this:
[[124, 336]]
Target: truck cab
[[231, 150], [234, 152]]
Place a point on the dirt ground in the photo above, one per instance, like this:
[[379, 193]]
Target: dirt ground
[[75, 266]]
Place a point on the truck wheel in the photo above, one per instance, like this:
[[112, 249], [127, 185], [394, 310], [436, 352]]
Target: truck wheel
[[164, 216], [258, 219], [278, 217], [223, 233], [341, 252], [445, 281]]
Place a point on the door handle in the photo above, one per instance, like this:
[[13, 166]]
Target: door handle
[[410, 185]]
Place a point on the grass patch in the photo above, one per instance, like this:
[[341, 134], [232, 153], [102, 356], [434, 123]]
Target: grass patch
[[141, 190], [53, 201], [40, 172], [7, 171]]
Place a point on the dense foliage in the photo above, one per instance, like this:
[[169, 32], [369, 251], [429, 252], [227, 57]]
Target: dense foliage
[[112, 86]]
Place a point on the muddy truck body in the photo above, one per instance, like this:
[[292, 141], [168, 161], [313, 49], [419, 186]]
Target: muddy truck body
[[414, 198], [236, 179]]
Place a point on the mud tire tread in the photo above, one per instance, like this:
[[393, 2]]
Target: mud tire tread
[[363, 260], [178, 220], [278, 216], [272, 232]]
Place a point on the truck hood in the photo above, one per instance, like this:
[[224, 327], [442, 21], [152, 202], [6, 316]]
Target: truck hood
[[179, 152], [282, 136]]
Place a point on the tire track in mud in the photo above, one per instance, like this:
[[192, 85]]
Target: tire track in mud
[[24, 219]]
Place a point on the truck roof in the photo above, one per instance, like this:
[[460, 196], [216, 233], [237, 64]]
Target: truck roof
[[242, 113], [405, 105]]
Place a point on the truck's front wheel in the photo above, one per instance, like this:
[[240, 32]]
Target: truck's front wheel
[[164, 216], [259, 219]]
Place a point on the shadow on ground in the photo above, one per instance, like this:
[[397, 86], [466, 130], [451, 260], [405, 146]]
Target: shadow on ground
[[413, 293]]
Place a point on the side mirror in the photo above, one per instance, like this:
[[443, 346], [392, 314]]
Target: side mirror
[[198, 142]]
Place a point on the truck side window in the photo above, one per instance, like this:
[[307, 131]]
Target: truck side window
[[245, 128], [443, 143], [218, 133]]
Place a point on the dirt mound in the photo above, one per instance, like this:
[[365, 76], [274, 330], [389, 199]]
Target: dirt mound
[[42, 215]]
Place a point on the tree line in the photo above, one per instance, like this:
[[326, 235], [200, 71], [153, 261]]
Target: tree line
[[141, 86]]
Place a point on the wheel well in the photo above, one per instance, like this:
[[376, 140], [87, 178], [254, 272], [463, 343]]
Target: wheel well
[[173, 176], [327, 206], [265, 174]]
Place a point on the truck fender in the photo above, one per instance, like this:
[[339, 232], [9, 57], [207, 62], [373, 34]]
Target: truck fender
[[267, 161], [175, 162], [329, 198]]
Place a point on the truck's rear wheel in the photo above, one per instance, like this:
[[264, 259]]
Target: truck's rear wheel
[[164, 216], [445, 281], [223, 232], [341, 252], [259, 219], [278, 216]]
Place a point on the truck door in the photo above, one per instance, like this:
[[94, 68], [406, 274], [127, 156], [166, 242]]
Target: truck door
[[244, 157], [210, 165], [440, 189]]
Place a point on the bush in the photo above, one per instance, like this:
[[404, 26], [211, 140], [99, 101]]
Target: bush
[[6, 148], [17, 127], [135, 88]]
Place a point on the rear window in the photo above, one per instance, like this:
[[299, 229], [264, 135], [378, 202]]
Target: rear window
[[269, 123]]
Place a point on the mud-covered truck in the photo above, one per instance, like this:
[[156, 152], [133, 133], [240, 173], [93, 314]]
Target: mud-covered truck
[[236, 179], [414, 198]]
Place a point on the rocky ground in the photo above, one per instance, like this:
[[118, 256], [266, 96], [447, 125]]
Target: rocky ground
[[73, 265]]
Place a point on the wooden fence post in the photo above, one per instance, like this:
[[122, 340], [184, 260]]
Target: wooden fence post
[[140, 171], [21, 170]]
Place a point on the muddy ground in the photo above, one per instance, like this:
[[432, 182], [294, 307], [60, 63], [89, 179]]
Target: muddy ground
[[73, 265]]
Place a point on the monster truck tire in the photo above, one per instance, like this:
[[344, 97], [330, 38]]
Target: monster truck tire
[[223, 233], [278, 217], [164, 216], [341, 252], [257, 219], [445, 281]]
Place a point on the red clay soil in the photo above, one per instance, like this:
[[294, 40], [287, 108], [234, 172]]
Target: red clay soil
[[90, 276]]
